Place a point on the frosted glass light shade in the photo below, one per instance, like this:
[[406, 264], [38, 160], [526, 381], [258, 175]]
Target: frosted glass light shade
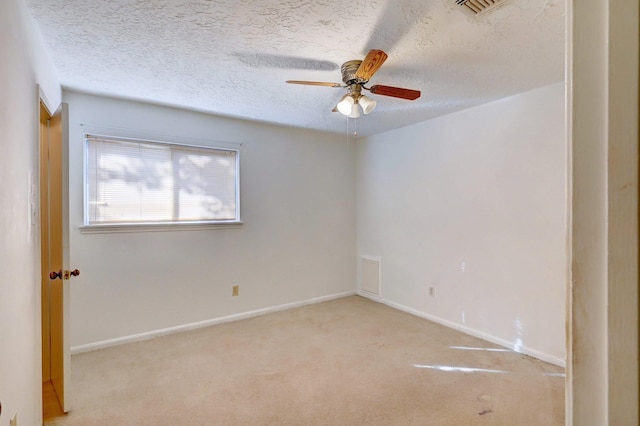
[[367, 104], [355, 111], [345, 106]]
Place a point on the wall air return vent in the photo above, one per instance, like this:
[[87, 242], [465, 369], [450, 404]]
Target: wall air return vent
[[476, 7], [370, 275]]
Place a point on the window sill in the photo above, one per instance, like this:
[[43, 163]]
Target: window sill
[[156, 227]]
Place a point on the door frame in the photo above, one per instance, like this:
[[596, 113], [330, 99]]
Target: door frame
[[43, 118], [602, 385]]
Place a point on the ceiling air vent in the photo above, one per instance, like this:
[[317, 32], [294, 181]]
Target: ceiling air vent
[[476, 7]]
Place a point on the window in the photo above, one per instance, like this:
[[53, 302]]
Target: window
[[137, 182]]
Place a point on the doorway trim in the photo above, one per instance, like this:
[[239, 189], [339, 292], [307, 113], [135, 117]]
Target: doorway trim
[[602, 125]]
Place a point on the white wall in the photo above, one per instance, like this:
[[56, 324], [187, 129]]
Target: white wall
[[474, 204], [297, 242], [24, 64]]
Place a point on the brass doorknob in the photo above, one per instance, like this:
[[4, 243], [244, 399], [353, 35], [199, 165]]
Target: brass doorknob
[[68, 274], [53, 275]]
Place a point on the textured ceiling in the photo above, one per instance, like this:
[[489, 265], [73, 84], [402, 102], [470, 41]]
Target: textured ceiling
[[232, 57]]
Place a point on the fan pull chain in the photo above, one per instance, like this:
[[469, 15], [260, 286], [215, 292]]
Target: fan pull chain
[[355, 127], [346, 134]]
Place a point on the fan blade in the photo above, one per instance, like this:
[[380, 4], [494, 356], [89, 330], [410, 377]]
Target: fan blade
[[372, 63], [314, 83], [396, 92]]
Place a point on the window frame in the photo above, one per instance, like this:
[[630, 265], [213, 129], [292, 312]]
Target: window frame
[[143, 226]]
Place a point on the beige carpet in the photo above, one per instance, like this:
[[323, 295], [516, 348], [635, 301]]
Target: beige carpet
[[345, 362]]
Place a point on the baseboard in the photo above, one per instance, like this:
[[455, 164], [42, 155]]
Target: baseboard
[[250, 314], [372, 296], [468, 330], [201, 324]]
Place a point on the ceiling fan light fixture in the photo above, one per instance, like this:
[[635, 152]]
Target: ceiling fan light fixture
[[356, 73], [367, 104], [346, 104]]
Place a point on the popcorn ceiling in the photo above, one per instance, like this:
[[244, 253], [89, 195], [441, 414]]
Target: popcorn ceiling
[[232, 57]]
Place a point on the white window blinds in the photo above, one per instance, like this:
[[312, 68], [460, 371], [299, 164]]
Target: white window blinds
[[133, 181]]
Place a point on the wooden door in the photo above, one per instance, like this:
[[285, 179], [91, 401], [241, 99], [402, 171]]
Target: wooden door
[[55, 250]]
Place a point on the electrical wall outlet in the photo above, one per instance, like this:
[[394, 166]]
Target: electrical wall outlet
[[13, 421], [235, 290]]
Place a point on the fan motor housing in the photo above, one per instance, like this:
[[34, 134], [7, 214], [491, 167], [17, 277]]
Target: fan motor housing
[[349, 70]]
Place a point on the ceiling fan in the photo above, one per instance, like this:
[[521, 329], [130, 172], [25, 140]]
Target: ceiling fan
[[355, 74]]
